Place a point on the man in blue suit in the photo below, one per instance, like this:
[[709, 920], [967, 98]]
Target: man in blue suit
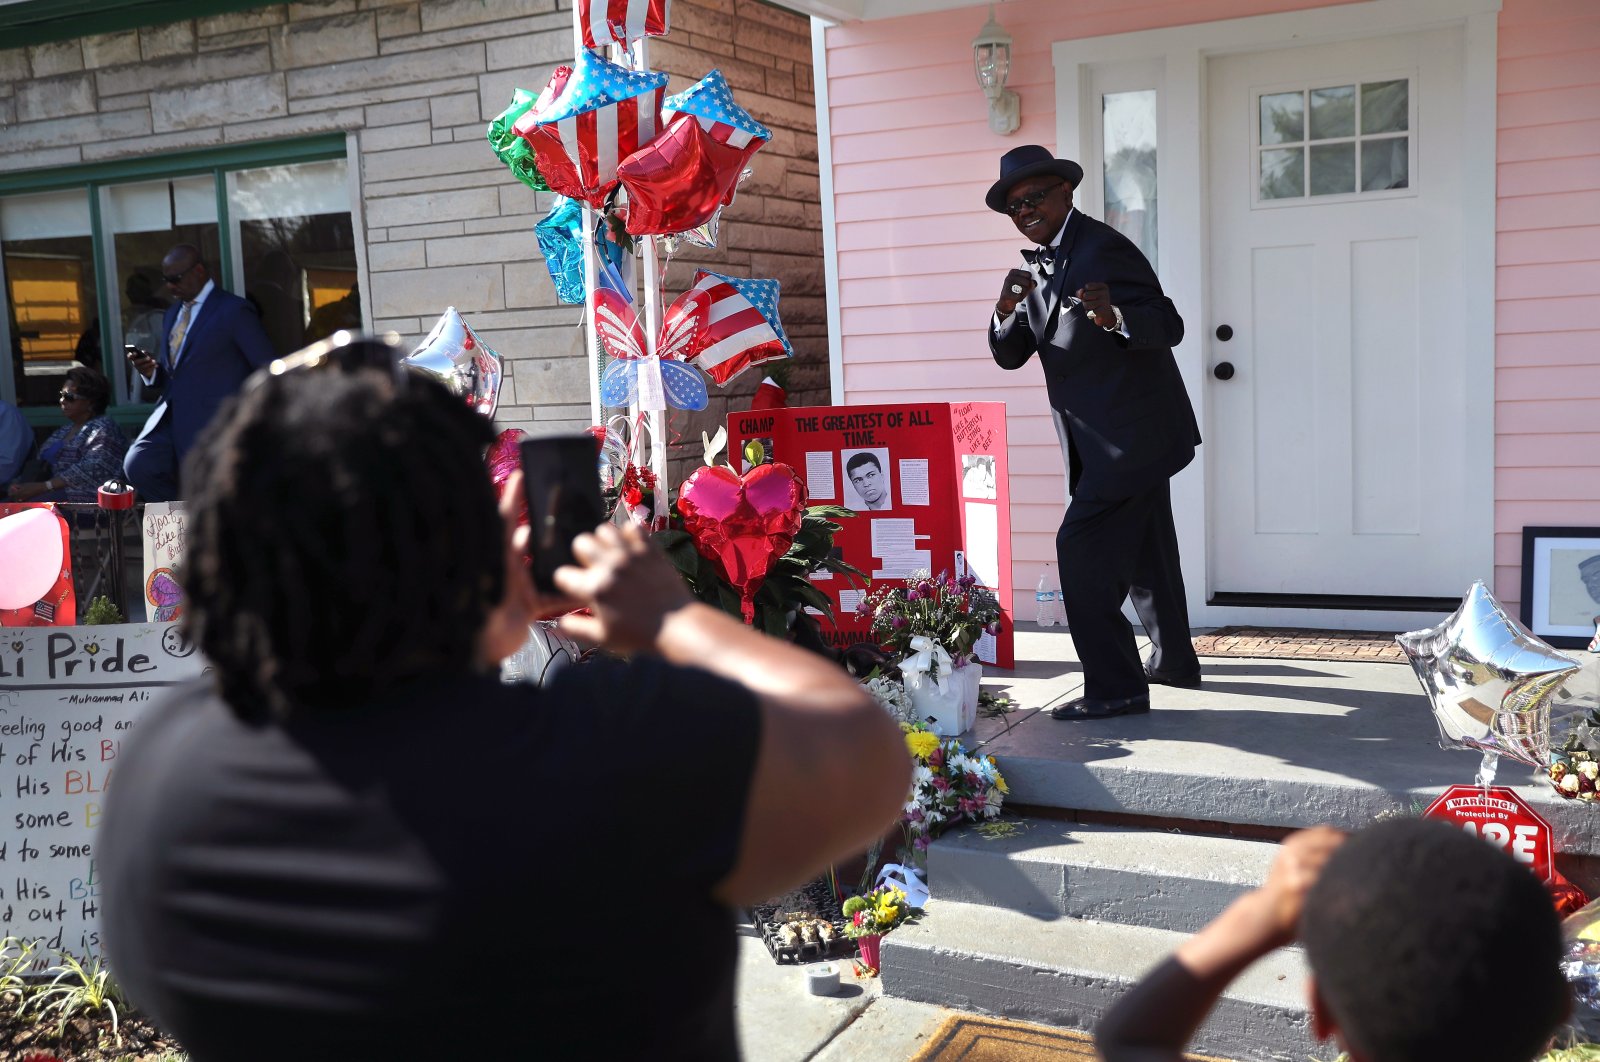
[[211, 341], [1091, 307]]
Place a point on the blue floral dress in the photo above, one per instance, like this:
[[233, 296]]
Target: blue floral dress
[[86, 460]]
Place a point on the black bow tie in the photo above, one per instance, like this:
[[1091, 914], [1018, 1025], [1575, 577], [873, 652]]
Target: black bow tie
[[1041, 258]]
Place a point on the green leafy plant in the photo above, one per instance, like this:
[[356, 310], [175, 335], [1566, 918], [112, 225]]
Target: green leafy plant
[[102, 610], [80, 990], [787, 588], [16, 955]]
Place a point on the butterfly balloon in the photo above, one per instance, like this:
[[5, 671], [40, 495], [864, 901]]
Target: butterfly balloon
[[634, 375]]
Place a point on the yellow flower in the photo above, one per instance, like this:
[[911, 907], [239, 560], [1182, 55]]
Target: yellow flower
[[922, 743], [886, 914], [1000, 783]]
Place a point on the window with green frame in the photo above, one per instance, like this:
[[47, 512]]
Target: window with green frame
[[81, 250]]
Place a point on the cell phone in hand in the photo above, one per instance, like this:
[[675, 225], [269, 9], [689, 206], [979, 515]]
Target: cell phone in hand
[[561, 482], [133, 353]]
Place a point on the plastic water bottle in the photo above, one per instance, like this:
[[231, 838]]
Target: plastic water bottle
[[1048, 599]]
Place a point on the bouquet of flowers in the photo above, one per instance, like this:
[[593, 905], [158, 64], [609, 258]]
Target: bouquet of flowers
[[933, 620], [947, 785], [1574, 769], [877, 912]]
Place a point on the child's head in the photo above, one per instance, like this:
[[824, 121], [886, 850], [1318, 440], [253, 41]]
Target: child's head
[[1427, 943]]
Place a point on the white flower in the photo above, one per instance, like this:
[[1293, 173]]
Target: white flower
[[1589, 769], [921, 774], [891, 694], [1569, 784]]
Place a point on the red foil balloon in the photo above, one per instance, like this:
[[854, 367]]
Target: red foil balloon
[[503, 459], [743, 524], [678, 180]]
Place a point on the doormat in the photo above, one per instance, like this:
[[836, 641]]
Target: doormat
[[968, 1038], [1300, 644]]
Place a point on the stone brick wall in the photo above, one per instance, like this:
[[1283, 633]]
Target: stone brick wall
[[446, 224]]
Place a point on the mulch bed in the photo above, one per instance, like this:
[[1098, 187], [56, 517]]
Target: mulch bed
[[84, 1039], [1300, 644]]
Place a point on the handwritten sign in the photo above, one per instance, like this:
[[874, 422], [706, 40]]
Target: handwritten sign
[[163, 547], [68, 700]]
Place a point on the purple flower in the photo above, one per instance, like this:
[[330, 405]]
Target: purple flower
[[914, 595], [921, 844], [898, 622], [991, 629]]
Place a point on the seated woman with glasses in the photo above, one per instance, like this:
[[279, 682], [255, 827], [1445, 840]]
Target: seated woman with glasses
[[84, 452], [329, 842]]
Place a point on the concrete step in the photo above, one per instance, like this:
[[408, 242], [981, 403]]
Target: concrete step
[[1263, 742], [1067, 972], [1110, 874]]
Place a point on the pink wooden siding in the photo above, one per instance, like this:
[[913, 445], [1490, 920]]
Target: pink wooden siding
[[1547, 281], [919, 254], [920, 257]]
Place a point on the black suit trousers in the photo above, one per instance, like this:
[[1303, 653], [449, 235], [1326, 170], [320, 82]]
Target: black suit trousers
[[1109, 551]]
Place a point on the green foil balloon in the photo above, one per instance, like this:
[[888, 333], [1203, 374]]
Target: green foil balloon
[[512, 149]]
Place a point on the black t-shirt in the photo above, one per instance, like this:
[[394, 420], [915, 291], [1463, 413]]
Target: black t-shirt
[[468, 868]]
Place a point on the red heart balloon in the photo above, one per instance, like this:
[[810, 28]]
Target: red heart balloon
[[743, 523]]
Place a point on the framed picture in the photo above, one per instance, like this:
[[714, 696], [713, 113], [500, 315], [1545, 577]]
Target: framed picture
[[1561, 584]]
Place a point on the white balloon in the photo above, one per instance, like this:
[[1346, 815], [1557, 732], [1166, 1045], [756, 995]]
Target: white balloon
[[30, 556]]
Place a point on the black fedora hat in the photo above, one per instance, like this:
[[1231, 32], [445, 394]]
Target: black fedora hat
[[1029, 160]]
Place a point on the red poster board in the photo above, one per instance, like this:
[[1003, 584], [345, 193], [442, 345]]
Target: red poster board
[[1503, 819], [929, 483]]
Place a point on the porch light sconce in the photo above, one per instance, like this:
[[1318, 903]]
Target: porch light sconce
[[991, 55]]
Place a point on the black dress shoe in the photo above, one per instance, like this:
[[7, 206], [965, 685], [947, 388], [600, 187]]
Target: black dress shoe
[[1090, 708], [1190, 681]]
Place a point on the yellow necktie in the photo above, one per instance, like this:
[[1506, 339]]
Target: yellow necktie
[[179, 329]]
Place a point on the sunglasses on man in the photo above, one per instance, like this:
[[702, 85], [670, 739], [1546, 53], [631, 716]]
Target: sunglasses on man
[[177, 278], [1016, 205]]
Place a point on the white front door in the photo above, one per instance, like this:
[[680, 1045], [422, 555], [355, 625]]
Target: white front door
[[1336, 450]]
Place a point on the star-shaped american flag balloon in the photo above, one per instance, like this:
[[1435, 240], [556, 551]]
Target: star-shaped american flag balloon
[[677, 182], [622, 21], [742, 325], [603, 114]]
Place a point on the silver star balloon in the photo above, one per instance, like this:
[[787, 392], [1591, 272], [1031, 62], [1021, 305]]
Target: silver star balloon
[[1489, 680], [455, 356]]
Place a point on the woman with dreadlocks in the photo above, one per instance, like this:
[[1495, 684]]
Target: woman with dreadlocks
[[336, 845]]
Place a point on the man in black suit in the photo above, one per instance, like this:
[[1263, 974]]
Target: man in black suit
[[1090, 304]]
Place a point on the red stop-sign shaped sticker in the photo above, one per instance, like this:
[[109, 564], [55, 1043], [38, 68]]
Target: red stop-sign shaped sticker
[[1500, 817]]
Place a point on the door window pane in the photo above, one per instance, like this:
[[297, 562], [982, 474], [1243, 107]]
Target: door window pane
[[1333, 112], [1333, 168], [1385, 107], [1334, 141], [1129, 123], [1282, 118], [145, 221], [52, 300], [1283, 173], [1385, 164], [297, 246]]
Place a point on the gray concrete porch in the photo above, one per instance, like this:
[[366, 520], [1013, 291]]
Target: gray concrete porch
[[1135, 831]]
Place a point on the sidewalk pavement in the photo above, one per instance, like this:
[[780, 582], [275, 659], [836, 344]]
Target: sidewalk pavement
[[780, 1021]]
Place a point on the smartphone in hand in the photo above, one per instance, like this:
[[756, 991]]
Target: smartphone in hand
[[561, 482]]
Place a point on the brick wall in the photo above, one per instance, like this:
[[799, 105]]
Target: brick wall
[[446, 224]]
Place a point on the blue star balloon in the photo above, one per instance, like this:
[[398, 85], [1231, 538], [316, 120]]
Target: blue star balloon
[[560, 236]]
